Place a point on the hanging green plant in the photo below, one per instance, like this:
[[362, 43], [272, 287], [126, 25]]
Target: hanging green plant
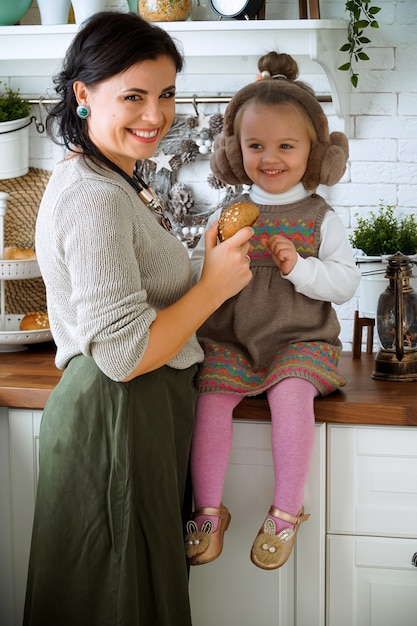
[[361, 16]]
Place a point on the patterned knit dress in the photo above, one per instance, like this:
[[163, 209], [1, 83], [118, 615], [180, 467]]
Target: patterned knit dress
[[269, 331]]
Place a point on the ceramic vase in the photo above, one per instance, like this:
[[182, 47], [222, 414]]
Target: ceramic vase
[[54, 11], [11, 11], [84, 9], [133, 6]]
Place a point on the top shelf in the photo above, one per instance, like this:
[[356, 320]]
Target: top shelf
[[319, 40]]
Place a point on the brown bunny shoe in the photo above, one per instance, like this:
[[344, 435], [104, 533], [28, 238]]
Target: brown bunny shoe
[[270, 551], [204, 545]]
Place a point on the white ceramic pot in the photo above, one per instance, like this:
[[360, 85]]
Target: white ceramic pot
[[373, 283], [54, 11], [84, 9], [14, 148]]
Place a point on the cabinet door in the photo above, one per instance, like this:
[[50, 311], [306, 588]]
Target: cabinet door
[[371, 581], [372, 480], [23, 436], [233, 591]]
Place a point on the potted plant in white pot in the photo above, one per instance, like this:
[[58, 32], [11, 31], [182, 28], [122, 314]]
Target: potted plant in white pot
[[14, 133], [376, 237]]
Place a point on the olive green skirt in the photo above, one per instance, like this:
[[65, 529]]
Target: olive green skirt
[[107, 544]]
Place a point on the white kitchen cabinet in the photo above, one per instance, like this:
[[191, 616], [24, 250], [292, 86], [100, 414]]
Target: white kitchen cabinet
[[351, 565], [372, 526], [233, 591], [230, 590]]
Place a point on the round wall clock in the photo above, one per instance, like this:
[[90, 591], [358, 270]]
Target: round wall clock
[[238, 9]]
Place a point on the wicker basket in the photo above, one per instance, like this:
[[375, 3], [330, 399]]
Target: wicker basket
[[25, 194]]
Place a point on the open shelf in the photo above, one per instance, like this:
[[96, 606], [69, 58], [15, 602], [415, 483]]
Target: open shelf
[[319, 40]]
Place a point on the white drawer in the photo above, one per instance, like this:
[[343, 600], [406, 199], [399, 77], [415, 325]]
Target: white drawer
[[371, 581], [372, 480]]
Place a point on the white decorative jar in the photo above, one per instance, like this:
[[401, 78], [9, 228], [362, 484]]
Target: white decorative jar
[[14, 148], [83, 9], [54, 11]]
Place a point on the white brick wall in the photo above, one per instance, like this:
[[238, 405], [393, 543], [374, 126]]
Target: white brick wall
[[383, 146]]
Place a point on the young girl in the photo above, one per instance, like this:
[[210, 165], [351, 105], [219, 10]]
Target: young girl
[[279, 335]]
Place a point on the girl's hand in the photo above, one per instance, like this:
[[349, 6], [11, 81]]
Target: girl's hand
[[226, 265], [282, 251]]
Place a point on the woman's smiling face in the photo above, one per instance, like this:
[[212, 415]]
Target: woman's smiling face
[[275, 143], [131, 111]]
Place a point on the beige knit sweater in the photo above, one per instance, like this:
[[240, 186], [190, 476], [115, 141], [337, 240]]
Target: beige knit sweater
[[108, 266]]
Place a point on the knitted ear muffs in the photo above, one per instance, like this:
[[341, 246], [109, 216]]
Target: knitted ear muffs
[[328, 155], [226, 162], [334, 159]]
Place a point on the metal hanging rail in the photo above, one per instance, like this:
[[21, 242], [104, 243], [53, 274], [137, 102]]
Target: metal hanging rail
[[194, 100], [179, 100]]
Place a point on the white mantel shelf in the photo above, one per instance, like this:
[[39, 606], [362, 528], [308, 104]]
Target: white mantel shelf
[[319, 40]]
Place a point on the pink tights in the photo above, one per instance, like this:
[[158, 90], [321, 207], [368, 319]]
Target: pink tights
[[291, 402]]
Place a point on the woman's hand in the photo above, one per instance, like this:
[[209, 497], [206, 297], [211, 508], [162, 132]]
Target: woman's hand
[[226, 265], [282, 251]]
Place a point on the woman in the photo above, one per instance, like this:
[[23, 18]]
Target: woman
[[107, 544]]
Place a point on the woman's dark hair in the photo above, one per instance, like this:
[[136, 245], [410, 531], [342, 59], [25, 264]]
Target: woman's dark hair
[[107, 43]]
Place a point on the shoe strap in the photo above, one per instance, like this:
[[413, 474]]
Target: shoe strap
[[209, 510], [287, 517]]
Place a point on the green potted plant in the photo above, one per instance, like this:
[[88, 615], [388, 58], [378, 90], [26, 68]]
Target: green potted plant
[[381, 234], [361, 16], [14, 133]]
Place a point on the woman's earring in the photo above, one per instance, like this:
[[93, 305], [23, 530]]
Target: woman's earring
[[83, 111]]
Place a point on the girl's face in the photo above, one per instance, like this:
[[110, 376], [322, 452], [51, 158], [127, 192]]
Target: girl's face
[[275, 145], [131, 111]]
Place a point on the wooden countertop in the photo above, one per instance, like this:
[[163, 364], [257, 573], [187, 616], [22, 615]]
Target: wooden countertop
[[27, 378]]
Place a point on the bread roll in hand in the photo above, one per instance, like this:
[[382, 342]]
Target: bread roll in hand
[[235, 217]]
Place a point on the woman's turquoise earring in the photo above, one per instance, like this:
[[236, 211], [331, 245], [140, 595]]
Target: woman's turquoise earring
[[83, 111]]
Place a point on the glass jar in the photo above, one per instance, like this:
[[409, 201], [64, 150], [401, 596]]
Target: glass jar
[[164, 10]]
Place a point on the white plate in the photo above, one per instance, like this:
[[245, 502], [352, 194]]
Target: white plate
[[14, 270], [14, 340]]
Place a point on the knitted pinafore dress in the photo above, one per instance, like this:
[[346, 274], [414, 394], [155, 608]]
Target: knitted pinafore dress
[[268, 331]]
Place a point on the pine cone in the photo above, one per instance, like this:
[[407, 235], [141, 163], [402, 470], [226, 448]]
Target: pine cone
[[216, 123], [192, 122], [181, 199], [215, 183], [176, 162]]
